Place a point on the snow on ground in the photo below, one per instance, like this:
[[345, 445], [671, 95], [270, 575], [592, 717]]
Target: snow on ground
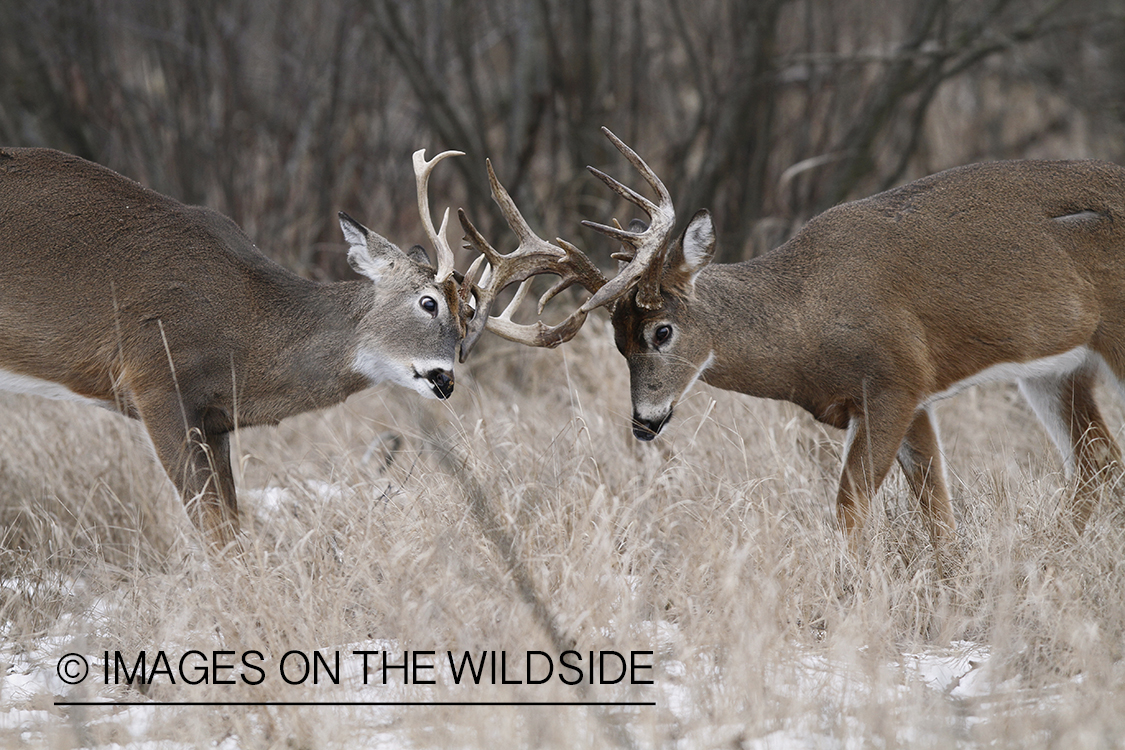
[[30, 684], [32, 681]]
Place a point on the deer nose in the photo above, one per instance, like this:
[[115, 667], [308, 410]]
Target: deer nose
[[648, 429], [441, 381]]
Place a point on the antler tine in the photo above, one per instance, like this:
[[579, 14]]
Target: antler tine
[[475, 274], [517, 300], [627, 251], [662, 194], [533, 256], [508, 270], [422, 169], [624, 191], [537, 256], [512, 214], [650, 243]]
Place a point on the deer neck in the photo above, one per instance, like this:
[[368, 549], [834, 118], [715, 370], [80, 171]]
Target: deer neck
[[752, 310], [311, 365]]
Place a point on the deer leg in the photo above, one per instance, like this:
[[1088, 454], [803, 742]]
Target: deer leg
[[221, 486], [1066, 407], [1098, 457], [207, 487], [199, 466], [873, 440], [920, 459]]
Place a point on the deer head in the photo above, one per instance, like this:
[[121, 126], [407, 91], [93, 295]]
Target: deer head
[[657, 329], [411, 331]]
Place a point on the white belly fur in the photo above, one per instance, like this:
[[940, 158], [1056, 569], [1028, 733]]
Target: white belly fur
[[1056, 366], [16, 383]]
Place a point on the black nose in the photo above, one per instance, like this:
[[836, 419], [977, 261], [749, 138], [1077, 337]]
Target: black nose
[[442, 382], [648, 429]]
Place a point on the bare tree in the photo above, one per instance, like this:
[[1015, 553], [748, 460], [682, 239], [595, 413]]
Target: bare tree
[[280, 112]]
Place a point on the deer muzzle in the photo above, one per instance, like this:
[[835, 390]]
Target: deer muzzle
[[648, 429], [441, 381]]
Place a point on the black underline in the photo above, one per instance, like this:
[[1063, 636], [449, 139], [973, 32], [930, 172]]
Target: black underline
[[355, 703]]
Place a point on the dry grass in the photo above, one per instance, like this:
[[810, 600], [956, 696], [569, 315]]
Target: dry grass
[[522, 516]]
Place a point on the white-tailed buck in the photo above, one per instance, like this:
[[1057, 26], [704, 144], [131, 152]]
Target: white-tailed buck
[[115, 295], [872, 312]]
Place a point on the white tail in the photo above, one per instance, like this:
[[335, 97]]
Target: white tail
[[879, 307], [116, 295]]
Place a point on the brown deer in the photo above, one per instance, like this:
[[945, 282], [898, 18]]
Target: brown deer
[[114, 295], [872, 312]]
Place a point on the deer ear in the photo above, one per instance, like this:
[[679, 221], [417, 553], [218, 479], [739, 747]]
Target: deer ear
[[354, 232], [691, 254], [698, 243], [369, 255]]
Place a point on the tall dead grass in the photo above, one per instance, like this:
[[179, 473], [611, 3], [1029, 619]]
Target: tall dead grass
[[522, 516]]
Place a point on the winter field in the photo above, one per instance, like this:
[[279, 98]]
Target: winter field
[[521, 524]]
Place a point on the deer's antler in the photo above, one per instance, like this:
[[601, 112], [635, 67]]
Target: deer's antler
[[534, 256], [422, 169], [644, 265], [492, 271]]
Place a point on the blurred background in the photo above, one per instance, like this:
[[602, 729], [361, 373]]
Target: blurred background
[[279, 113]]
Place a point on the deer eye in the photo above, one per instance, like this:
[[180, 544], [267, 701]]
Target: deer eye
[[429, 304], [661, 334]]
